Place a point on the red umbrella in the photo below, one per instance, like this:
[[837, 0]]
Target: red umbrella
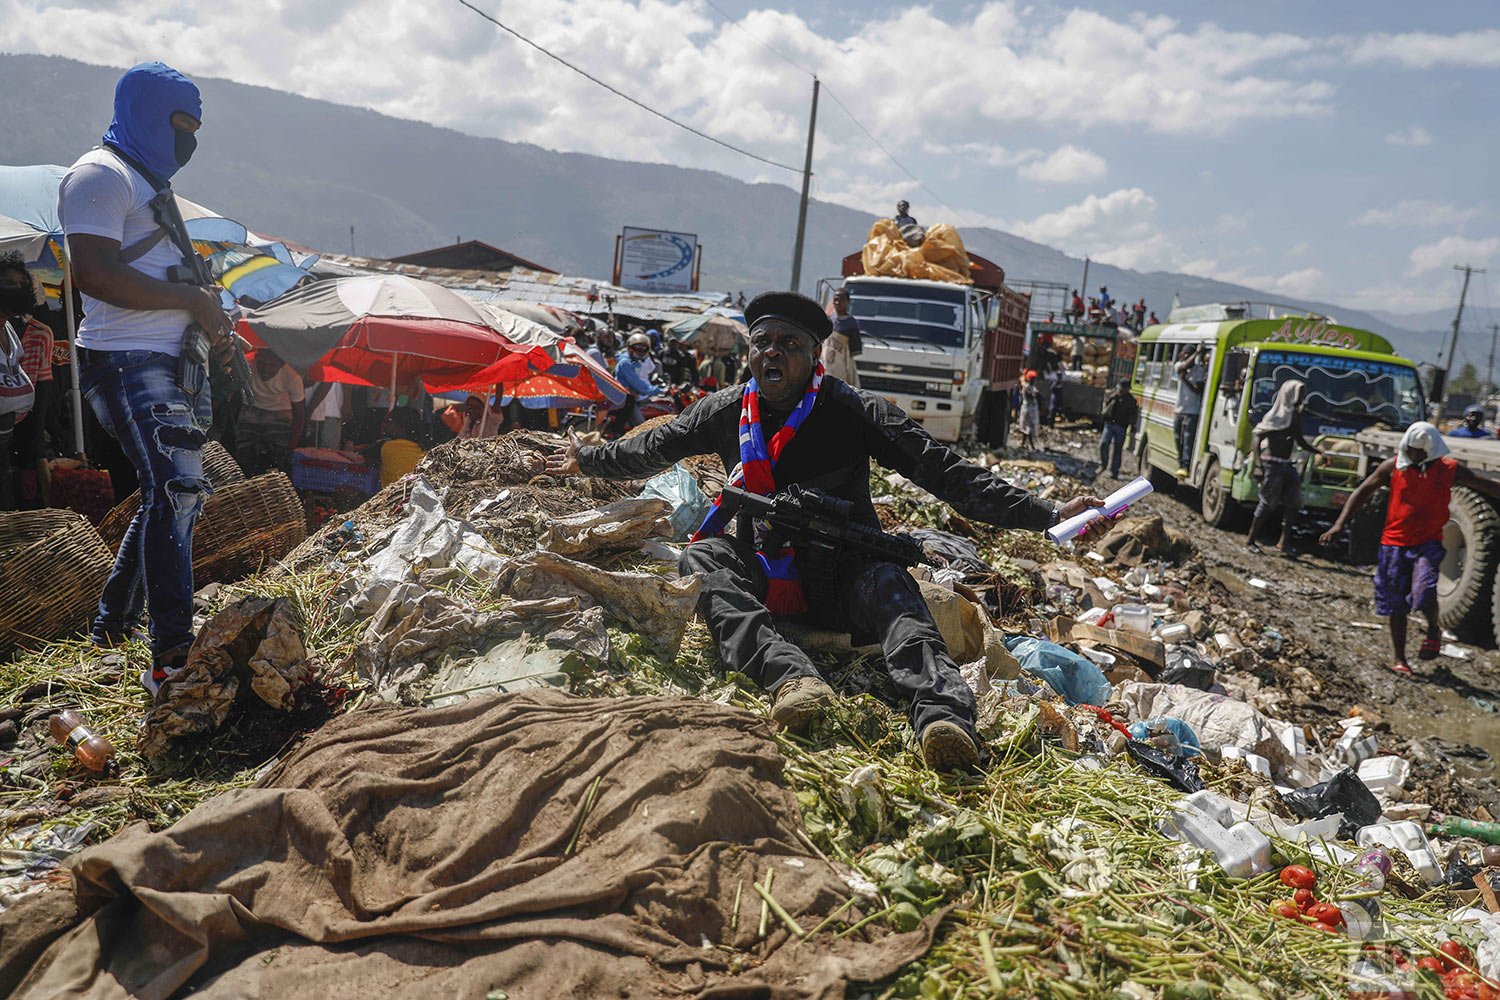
[[576, 379], [385, 330]]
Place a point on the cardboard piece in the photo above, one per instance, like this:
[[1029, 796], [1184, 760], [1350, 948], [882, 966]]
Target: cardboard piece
[[1151, 654]]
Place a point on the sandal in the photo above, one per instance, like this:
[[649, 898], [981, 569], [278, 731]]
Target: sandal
[[1430, 650], [1402, 668]]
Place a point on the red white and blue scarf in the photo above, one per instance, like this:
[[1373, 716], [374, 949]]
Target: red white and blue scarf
[[755, 474]]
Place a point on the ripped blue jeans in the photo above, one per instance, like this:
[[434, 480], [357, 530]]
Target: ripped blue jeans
[[161, 428]]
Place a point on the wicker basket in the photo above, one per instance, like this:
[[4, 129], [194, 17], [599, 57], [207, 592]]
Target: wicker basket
[[245, 527], [218, 465], [54, 567]]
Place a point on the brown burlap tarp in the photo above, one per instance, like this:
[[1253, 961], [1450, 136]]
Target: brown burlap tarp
[[535, 845]]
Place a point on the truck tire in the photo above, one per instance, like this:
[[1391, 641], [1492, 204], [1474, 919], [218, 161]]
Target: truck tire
[[1363, 534], [1219, 509], [1466, 581], [1161, 480]]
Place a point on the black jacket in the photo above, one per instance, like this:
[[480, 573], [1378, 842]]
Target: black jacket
[[831, 451], [1120, 409]]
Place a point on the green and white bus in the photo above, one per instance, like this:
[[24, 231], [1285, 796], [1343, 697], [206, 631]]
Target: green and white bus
[[1354, 381]]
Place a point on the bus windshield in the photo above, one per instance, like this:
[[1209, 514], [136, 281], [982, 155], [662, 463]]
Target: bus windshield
[[1344, 395], [893, 312]]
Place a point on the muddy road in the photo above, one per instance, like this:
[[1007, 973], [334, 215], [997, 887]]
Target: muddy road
[[1449, 706]]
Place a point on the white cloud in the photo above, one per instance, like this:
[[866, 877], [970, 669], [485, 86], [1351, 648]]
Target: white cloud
[[1118, 228], [1302, 284], [1422, 50], [1068, 165], [1416, 213], [1451, 250], [1412, 137]]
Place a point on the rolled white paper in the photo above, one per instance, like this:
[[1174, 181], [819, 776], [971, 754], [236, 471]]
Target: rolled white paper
[[1131, 493]]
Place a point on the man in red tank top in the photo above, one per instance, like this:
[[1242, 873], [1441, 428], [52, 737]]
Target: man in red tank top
[[1421, 477]]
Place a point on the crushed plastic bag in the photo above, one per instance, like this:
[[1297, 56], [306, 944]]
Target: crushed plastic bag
[[1218, 720], [952, 550], [1073, 676], [1175, 769], [679, 488], [621, 526], [1188, 667], [1343, 794]]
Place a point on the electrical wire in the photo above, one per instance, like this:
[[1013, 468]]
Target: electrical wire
[[778, 54], [621, 94]]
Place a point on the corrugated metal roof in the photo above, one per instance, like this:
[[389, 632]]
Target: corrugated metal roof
[[524, 285]]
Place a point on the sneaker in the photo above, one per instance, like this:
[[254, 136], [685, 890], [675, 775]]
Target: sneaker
[[947, 746], [163, 669], [1181, 473], [799, 701], [109, 640]]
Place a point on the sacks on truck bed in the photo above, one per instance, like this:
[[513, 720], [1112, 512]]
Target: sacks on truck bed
[[941, 257]]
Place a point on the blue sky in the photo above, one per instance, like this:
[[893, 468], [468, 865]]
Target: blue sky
[[1341, 151]]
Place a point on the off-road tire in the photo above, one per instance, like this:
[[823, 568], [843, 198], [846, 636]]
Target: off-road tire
[[1216, 505], [1467, 582], [1161, 480]]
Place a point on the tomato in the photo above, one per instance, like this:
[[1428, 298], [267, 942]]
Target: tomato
[[1457, 952], [1304, 899], [1327, 913], [1432, 964], [1298, 877], [1286, 908], [1318, 925]]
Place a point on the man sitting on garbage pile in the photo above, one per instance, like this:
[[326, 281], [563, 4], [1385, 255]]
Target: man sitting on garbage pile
[[791, 425], [1421, 478]]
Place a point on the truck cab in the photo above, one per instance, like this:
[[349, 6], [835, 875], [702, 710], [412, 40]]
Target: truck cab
[[923, 347]]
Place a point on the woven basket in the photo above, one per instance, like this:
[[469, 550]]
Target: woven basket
[[55, 578], [20, 528], [245, 527], [218, 465]]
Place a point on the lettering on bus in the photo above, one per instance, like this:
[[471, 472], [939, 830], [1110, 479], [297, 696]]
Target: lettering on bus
[[1306, 331]]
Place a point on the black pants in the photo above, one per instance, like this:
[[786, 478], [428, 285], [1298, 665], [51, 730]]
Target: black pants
[[877, 600]]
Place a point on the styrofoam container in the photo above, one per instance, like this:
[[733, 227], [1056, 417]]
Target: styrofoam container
[[1175, 632], [1241, 850], [1408, 838], [1133, 617], [1108, 588], [1092, 615], [1385, 775]]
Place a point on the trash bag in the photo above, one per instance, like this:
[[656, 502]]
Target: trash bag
[[1188, 667], [616, 527], [1070, 675], [678, 487], [1219, 721], [1176, 770], [1172, 735], [1136, 540], [1341, 794], [951, 549]]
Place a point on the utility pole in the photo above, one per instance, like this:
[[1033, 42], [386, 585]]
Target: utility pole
[[1440, 389], [1489, 377], [812, 128], [1084, 288], [351, 241]]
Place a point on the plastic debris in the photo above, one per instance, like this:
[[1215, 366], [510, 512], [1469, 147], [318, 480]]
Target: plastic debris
[[679, 489], [1079, 681]]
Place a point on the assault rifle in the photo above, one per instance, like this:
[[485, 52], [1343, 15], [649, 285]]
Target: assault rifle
[[194, 270], [813, 519]]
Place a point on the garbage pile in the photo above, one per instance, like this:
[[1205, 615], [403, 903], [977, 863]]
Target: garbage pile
[[1157, 761]]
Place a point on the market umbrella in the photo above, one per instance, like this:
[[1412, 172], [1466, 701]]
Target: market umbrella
[[576, 379], [716, 329], [254, 270], [384, 330], [554, 318]]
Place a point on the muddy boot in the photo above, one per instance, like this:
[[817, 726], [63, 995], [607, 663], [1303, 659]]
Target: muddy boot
[[799, 701], [947, 746]]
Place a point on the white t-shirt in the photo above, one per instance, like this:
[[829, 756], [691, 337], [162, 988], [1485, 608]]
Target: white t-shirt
[[102, 196], [332, 405], [277, 394]]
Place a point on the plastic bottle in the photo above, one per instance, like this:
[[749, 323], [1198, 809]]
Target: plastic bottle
[[1454, 826], [1362, 916], [93, 752]]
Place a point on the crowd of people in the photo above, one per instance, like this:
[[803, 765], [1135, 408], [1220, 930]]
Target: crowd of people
[[1105, 309]]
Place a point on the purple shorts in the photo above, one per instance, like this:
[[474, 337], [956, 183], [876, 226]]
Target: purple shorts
[[1406, 577]]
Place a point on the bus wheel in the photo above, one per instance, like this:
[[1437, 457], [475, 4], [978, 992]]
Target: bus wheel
[[1162, 481], [1466, 579], [1219, 508]]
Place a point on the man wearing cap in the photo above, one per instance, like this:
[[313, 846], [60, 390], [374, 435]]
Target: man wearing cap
[[791, 424], [1473, 425]]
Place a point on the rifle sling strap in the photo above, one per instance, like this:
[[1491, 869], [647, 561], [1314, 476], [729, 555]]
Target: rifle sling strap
[[139, 249]]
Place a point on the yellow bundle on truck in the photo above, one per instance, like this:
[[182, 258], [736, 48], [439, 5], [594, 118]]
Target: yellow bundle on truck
[[941, 257]]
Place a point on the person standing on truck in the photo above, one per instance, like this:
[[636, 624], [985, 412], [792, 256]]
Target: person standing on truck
[[1119, 412], [843, 344], [1281, 483], [1192, 375], [792, 424], [1473, 425], [1075, 313], [1421, 478]]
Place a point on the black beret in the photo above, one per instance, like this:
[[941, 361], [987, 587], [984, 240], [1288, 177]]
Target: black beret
[[790, 307]]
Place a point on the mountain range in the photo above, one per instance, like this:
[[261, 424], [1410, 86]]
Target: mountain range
[[339, 178]]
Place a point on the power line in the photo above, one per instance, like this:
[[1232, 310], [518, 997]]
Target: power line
[[621, 94]]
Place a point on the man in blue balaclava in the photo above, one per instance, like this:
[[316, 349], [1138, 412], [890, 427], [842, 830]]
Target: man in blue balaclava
[[128, 346]]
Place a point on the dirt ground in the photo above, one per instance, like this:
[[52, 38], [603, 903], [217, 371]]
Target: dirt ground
[[1445, 718]]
